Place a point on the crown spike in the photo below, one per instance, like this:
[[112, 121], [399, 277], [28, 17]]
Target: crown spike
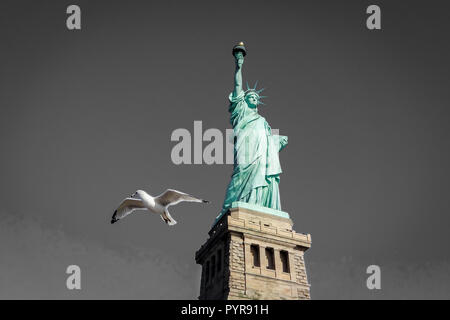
[[246, 82], [256, 83], [260, 90]]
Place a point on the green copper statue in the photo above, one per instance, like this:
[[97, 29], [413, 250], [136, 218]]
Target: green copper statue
[[256, 173]]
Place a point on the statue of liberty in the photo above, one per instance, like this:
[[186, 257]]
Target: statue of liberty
[[256, 172]]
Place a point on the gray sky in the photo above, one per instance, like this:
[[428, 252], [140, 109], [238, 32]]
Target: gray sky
[[86, 119]]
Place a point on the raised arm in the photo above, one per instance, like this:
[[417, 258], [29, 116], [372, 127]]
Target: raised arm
[[238, 74]]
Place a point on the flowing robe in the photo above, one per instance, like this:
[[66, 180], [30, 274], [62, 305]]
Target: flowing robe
[[256, 171]]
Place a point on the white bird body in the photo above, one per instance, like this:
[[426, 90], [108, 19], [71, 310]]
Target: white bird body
[[148, 201], [141, 200]]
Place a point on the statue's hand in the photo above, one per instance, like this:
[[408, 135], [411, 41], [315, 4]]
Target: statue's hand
[[283, 141], [239, 60]]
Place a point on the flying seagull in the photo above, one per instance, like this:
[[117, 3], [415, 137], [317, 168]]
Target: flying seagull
[[141, 200]]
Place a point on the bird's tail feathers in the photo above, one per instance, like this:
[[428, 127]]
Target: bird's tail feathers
[[167, 218], [171, 222]]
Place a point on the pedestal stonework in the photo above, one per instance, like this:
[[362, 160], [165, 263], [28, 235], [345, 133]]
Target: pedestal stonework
[[251, 254]]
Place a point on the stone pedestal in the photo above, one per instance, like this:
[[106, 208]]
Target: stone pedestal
[[253, 253]]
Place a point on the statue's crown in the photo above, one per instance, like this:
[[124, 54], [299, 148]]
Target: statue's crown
[[255, 91]]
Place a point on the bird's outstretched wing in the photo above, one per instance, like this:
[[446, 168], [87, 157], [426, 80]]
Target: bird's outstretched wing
[[171, 197], [127, 206]]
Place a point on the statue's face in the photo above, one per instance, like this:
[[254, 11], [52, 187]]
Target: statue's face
[[252, 100]]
